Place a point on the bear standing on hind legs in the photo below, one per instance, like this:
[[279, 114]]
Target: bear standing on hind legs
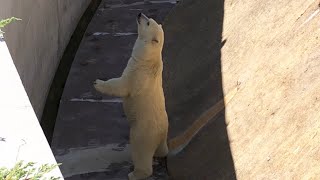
[[140, 86]]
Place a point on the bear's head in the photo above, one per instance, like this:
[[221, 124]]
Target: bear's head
[[150, 37]]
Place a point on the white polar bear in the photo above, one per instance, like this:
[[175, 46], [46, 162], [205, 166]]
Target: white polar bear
[[140, 86]]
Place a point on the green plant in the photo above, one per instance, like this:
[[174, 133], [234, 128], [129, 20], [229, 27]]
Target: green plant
[[7, 21], [27, 171]]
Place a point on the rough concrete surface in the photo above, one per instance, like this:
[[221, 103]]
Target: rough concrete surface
[[37, 42], [91, 132], [273, 123], [270, 130]]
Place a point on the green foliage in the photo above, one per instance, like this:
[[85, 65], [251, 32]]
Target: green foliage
[[7, 21], [27, 171]]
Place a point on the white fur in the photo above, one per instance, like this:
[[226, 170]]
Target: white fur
[[140, 86]]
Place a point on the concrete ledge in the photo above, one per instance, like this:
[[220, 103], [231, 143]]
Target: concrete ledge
[[21, 137]]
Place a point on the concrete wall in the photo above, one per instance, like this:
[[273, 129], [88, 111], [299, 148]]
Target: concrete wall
[[37, 42], [271, 51]]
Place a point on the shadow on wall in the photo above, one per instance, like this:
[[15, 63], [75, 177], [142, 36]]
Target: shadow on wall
[[193, 83], [51, 107]]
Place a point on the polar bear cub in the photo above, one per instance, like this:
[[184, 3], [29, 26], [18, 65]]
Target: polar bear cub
[[140, 86]]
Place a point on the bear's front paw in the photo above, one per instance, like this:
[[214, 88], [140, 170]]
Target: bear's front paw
[[98, 85]]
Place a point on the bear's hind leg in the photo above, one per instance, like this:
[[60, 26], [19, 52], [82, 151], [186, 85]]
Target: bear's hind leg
[[142, 150], [162, 149], [142, 161]]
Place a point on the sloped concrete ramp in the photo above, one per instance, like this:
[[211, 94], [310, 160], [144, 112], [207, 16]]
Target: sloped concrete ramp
[[270, 49]]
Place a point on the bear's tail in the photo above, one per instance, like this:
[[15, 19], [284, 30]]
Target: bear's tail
[[177, 144]]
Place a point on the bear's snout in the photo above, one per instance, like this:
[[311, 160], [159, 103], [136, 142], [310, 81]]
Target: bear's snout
[[95, 82], [141, 15], [138, 18]]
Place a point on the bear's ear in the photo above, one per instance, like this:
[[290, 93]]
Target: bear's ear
[[160, 25], [155, 40]]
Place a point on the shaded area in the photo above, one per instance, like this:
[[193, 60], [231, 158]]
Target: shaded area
[[193, 83], [51, 107]]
